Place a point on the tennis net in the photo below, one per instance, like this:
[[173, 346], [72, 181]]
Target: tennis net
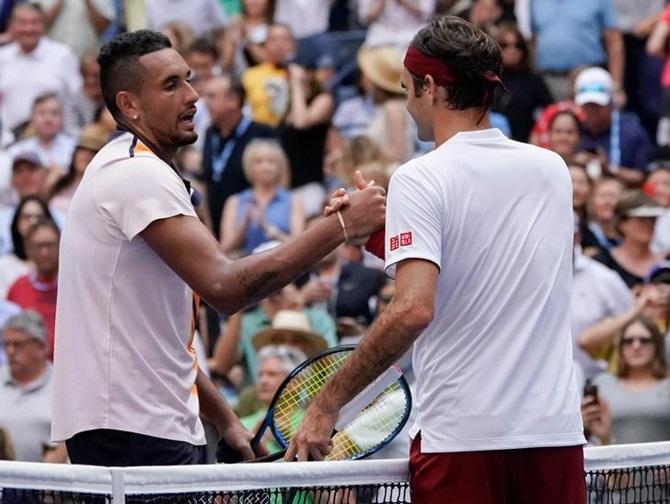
[[623, 474]]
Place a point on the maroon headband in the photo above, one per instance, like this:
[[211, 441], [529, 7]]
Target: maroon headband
[[420, 65]]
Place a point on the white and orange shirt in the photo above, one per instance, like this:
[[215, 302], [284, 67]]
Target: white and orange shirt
[[123, 349]]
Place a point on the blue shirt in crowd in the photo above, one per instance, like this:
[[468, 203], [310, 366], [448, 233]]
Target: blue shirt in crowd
[[276, 213], [569, 33]]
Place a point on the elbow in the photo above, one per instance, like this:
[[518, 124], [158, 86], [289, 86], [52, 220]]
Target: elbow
[[415, 317], [222, 298]]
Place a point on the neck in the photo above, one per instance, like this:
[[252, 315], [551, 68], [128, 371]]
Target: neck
[[634, 249], [606, 226], [447, 123], [641, 375], [263, 191], [229, 123], [45, 140], [165, 152], [47, 276], [29, 376]]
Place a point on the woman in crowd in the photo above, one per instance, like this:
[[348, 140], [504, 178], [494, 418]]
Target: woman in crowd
[[638, 393], [303, 134], [92, 138], [633, 258], [528, 92], [564, 135], [242, 42], [30, 210], [267, 210], [581, 188], [598, 231], [657, 187]]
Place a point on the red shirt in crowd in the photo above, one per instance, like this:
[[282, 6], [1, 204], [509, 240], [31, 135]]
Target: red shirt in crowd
[[31, 292]]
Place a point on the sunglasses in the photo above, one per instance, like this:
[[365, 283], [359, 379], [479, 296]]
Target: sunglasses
[[642, 340]]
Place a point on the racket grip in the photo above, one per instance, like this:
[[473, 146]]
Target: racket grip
[[267, 458]]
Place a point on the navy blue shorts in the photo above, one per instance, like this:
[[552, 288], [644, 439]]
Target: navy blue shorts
[[106, 447]]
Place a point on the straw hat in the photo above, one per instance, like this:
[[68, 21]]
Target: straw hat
[[92, 137], [383, 66], [290, 327]]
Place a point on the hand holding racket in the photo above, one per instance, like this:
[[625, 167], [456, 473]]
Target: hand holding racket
[[364, 425]]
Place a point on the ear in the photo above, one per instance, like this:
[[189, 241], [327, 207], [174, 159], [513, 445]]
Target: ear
[[128, 104], [432, 89]]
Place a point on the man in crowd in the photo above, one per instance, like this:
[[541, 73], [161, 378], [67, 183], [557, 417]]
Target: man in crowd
[[38, 65], [135, 259], [225, 141], [479, 240], [26, 389]]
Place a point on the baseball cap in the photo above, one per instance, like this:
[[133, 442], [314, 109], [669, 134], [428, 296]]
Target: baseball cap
[[26, 157], [593, 85]]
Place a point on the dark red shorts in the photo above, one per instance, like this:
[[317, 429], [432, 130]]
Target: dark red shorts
[[530, 475]]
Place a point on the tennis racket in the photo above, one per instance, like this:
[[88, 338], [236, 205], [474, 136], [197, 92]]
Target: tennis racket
[[367, 423]]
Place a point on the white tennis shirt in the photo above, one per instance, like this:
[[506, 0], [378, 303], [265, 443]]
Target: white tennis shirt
[[123, 353], [494, 370]]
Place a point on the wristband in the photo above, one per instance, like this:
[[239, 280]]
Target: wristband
[[344, 228]]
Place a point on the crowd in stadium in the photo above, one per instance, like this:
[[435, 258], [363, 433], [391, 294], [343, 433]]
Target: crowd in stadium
[[295, 96]]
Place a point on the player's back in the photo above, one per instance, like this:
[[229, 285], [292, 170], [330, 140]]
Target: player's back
[[494, 368]]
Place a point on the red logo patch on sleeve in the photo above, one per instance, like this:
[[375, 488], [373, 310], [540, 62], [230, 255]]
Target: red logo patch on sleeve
[[405, 239], [395, 242]]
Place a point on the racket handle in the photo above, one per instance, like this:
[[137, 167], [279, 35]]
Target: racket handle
[[268, 458]]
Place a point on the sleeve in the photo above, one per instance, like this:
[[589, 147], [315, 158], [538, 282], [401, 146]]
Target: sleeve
[[413, 220], [139, 191], [610, 20], [617, 295]]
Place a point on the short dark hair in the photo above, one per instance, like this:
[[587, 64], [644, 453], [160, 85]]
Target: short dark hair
[[470, 54], [27, 4], [45, 97], [40, 224], [119, 63]]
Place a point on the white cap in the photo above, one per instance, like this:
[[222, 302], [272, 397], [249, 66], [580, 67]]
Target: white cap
[[593, 85]]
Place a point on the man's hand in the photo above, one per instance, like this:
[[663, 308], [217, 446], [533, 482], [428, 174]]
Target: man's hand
[[239, 439], [367, 209], [312, 439]]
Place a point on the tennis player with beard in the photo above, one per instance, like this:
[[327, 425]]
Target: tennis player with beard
[[479, 240], [127, 388]]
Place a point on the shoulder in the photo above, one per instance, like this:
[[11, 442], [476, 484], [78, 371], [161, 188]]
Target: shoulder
[[53, 48], [606, 381], [8, 52]]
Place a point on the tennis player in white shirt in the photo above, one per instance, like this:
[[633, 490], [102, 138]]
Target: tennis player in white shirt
[[479, 240]]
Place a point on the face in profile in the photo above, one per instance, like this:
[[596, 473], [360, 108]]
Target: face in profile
[[418, 108]]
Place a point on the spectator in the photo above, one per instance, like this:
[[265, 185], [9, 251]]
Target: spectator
[[79, 24], [91, 140], [657, 186], [275, 362], [202, 16], [598, 294], [638, 393], [635, 216], [39, 66], [7, 309], [487, 14], [37, 290], [26, 389], [266, 84], [15, 264], [264, 315], [599, 232], [225, 142], [181, 35], [308, 21], [346, 288], [642, 72], [588, 36], [85, 105], [6, 445], [244, 39], [528, 92], [564, 134], [303, 133], [657, 46], [389, 124], [48, 141], [202, 57], [393, 22], [266, 211], [617, 137], [581, 189]]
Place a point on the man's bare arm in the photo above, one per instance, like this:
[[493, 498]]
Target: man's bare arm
[[191, 251], [389, 337]]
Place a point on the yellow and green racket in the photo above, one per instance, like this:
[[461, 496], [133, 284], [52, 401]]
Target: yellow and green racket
[[366, 424]]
